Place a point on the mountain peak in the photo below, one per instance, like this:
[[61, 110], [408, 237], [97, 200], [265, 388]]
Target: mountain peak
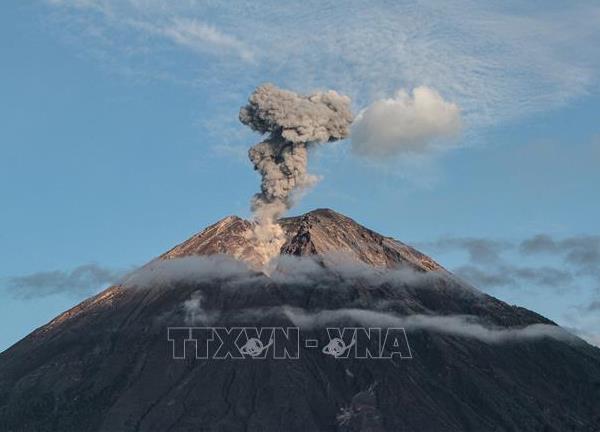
[[323, 233]]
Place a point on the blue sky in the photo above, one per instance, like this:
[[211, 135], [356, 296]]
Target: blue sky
[[119, 135]]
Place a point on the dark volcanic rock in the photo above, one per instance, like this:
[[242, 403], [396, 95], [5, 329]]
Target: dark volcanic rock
[[106, 364]]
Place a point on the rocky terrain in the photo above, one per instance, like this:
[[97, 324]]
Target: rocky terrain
[[318, 233], [107, 365]]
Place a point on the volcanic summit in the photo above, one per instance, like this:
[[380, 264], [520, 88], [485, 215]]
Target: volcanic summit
[[320, 233]]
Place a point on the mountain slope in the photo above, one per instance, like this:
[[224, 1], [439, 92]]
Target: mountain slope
[[107, 364]]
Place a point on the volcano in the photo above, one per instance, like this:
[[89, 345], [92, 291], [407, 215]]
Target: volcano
[[475, 363]]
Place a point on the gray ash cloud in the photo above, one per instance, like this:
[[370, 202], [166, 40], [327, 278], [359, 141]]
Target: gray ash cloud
[[293, 123]]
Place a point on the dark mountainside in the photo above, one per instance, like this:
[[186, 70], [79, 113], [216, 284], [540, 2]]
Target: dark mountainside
[[106, 364]]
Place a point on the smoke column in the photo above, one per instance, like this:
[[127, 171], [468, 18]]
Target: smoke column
[[293, 123]]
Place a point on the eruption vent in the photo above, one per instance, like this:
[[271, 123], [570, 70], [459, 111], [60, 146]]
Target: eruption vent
[[293, 123]]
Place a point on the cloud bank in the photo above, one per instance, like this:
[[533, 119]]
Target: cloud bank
[[456, 325], [490, 261], [582, 252], [479, 250], [227, 275], [330, 271], [516, 276]]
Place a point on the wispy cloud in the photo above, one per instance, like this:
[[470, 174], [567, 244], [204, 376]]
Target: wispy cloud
[[196, 35], [593, 306], [480, 250], [125, 28], [566, 268], [456, 325], [516, 276], [497, 61], [580, 251], [204, 37], [294, 274], [464, 326], [81, 281], [488, 264]]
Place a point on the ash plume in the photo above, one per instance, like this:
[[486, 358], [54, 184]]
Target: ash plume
[[293, 123]]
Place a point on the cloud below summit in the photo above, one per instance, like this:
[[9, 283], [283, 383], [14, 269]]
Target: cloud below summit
[[565, 271]]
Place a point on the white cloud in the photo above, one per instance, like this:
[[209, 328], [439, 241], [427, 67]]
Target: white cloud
[[405, 124], [497, 61], [457, 325], [105, 21], [297, 272], [204, 37]]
